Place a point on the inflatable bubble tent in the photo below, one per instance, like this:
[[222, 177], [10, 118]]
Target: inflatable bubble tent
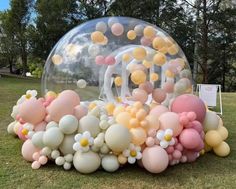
[[116, 59], [115, 92]]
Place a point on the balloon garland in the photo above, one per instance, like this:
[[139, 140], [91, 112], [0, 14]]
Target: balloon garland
[[145, 113]]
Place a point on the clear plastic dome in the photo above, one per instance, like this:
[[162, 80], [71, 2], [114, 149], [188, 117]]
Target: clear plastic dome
[[117, 59]]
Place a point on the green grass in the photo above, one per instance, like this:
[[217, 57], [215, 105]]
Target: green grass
[[209, 171]]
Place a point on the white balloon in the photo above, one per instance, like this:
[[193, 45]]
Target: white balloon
[[55, 154], [60, 160], [10, 128], [86, 162], [139, 30], [67, 166], [53, 137], [93, 50], [68, 124], [101, 26], [66, 146], [37, 139], [51, 124], [89, 123], [110, 163], [81, 83]]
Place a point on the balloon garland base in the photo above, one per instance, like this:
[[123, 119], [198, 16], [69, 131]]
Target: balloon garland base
[[87, 136]]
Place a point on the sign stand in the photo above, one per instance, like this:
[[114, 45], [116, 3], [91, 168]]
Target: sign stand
[[208, 93]]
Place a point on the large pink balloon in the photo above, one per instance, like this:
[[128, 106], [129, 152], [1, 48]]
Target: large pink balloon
[[190, 138], [158, 110], [155, 159], [189, 103], [32, 111], [63, 105], [170, 120], [80, 111], [28, 149]]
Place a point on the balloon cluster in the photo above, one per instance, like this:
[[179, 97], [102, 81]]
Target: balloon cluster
[[88, 136], [144, 114]]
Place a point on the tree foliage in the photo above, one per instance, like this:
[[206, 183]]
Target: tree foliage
[[205, 30]]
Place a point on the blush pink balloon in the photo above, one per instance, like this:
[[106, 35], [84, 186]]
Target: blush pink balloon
[[36, 156], [80, 111], [20, 134], [147, 86], [170, 120], [155, 159], [41, 126], [168, 87], [35, 165], [63, 105], [152, 132], [100, 59], [28, 149], [32, 111], [47, 118], [189, 103], [159, 95], [179, 147], [150, 141], [140, 95], [43, 160], [170, 149], [110, 60], [177, 154], [158, 110], [190, 138], [117, 29], [191, 155], [197, 126], [200, 146], [145, 41]]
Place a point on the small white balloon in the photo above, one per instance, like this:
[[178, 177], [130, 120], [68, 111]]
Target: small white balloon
[[93, 50], [51, 124], [81, 83], [53, 137], [60, 160], [110, 163], [67, 166], [46, 151], [55, 154], [101, 26], [69, 158]]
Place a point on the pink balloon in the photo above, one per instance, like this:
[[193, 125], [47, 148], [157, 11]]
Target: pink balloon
[[80, 111], [32, 111], [177, 154], [197, 126], [100, 59], [179, 147], [168, 87], [64, 104], [28, 149], [200, 146], [170, 149], [170, 120], [158, 110], [36, 156], [145, 41], [117, 29], [110, 60], [147, 86], [20, 134], [191, 156], [159, 95], [190, 138], [41, 126], [189, 103], [150, 141], [140, 95], [152, 132], [35, 165], [43, 160], [155, 159]]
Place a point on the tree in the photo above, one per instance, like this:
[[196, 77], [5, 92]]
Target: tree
[[18, 21], [53, 19]]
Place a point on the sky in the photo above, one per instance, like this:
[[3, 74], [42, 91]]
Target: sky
[[4, 4]]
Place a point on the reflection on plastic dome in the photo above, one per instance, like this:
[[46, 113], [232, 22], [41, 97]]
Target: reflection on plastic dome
[[118, 59]]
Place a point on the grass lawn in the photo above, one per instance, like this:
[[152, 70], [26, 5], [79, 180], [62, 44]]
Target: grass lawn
[[209, 171]]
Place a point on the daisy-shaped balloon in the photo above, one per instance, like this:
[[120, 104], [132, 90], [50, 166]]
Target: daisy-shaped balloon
[[28, 130], [83, 141], [133, 153], [165, 137], [28, 95]]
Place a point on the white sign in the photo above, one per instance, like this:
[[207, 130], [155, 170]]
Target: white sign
[[208, 93]]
